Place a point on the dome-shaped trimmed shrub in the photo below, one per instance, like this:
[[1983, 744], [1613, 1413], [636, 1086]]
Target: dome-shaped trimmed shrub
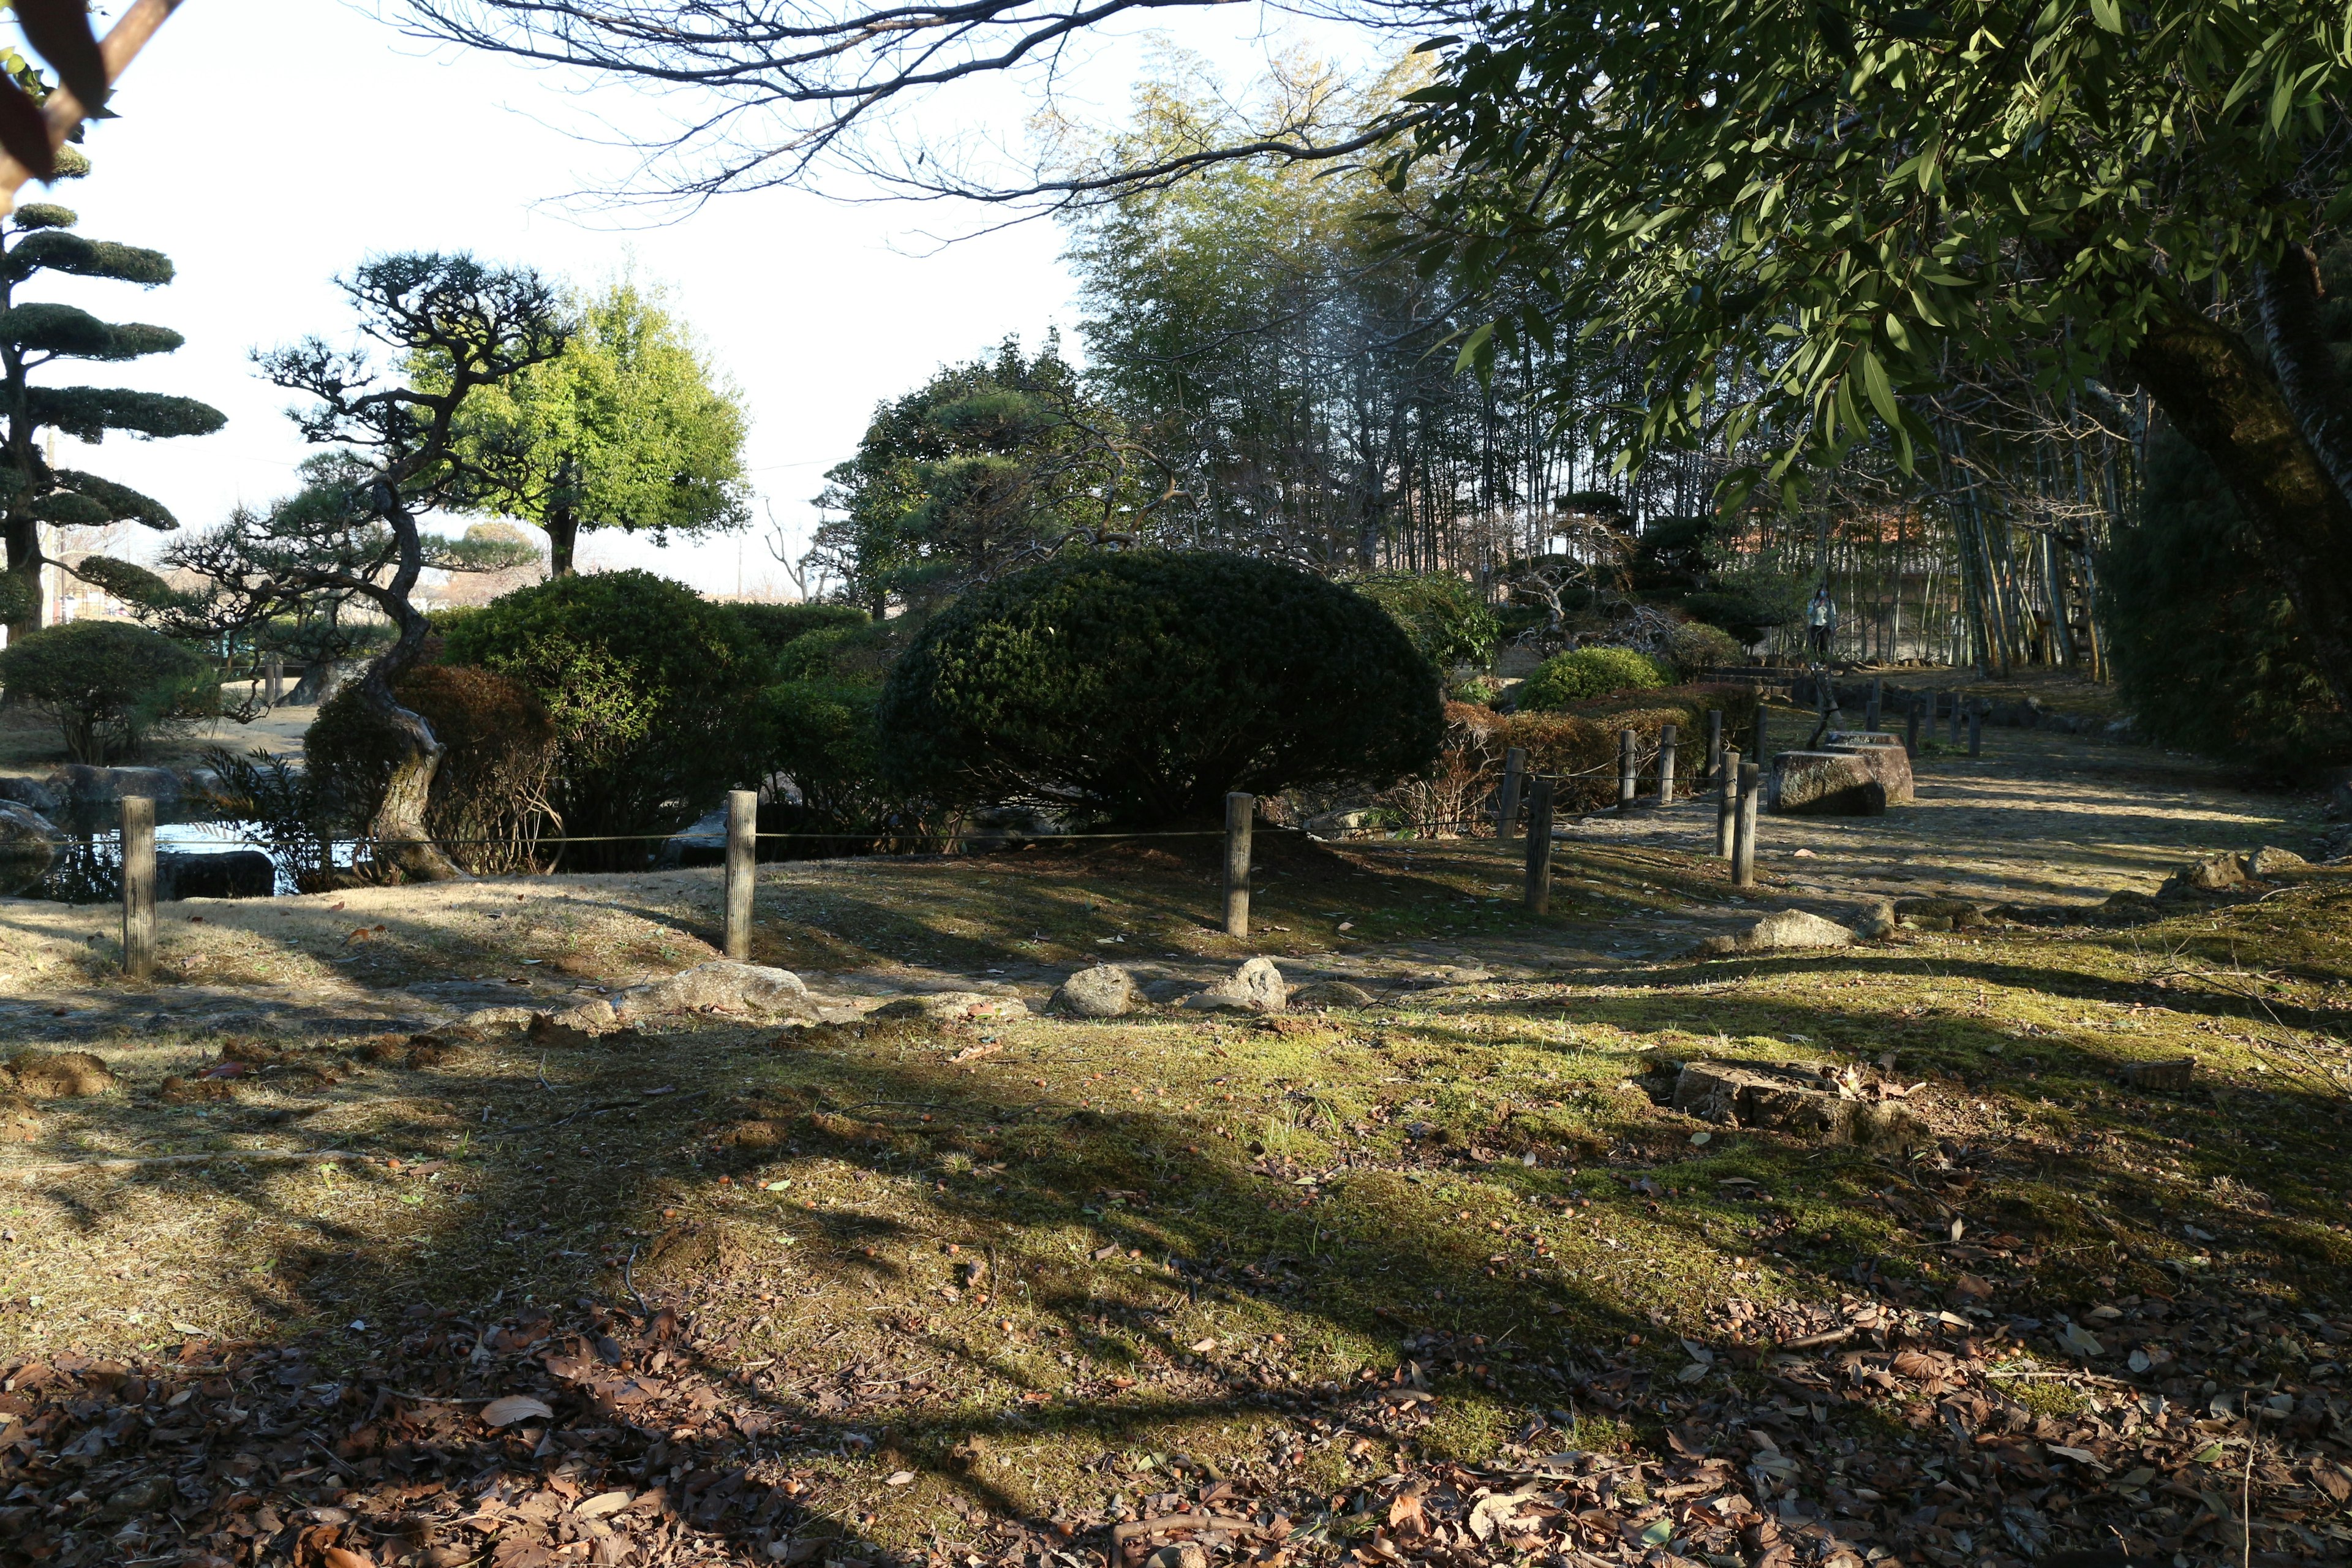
[[1585, 673], [1137, 688], [110, 685], [652, 689]]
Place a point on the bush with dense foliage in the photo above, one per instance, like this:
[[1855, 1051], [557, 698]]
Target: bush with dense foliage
[[1138, 688], [1582, 674], [1694, 647], [488, 801], [2205, 643], [109, 686], [1446, 618], [650, 687], [1579, 749], [776, 627]]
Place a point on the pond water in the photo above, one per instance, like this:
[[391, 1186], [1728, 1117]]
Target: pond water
[[90, 869]]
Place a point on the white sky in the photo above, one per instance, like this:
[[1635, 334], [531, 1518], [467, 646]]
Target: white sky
[[267, 145]]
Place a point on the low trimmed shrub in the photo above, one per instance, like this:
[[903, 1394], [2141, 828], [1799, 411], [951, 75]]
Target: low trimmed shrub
[[1582, 674], [1694, 647], [488, 798], [110, 685], [650, 689], [1137, 688]]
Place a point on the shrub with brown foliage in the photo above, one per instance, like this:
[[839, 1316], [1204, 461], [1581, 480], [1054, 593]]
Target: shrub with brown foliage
[[1579, 748], [489, 805]]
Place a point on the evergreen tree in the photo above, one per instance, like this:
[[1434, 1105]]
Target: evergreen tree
[[456, 327], [627, 428], [987, 466], [37, 237]]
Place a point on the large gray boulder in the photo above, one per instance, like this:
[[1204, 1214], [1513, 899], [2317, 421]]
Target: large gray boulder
[[1825, 784], [722, 986], [1888, 763], [222, 874], [32, 793], [29, 845], [1255, 987], [1106, 991], [103, 787], [2270, 861]]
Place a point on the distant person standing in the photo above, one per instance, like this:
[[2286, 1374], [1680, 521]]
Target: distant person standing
[[1821, 622]]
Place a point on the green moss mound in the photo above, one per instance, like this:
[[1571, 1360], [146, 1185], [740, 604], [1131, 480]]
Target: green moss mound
[[1565, 680]]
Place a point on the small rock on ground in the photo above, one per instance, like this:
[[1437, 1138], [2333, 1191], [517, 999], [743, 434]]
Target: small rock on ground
[[1105, 990], [723, 985], [1783, 930], [954, 1006], [1255, 987]]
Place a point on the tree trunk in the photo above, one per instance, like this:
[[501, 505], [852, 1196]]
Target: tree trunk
[[562, 527], [24, 578], [403, 841], [2208, 383]]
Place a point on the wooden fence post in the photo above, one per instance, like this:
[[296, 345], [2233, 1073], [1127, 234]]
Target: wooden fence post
[[1240, 810], [1871, 709], [1538, 886], [1629, 751], [1727, 802], [1506, 805], [277, 679], [1976, 728], [1713, 741], [742, 869], [1667, 735], [1955, 715], [138, 888], [1743, 848], [1911, 729], [1763, 749]]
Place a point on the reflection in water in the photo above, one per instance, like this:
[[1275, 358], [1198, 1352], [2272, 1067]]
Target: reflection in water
[[88, 869]]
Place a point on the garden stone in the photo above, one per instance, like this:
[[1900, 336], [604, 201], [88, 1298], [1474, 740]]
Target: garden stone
[[1874, 919], [2207, 874], [1787, 1099], [722, 986], [1255, 987], [30, 792], [1105, 990], [1888, 763], [954, 1008], [232, 874], [2172, 1074], [1825, 784], [1956, 914], [2270, 861], [1331, 994], [104, 786], [29, 845], [1794, 929]]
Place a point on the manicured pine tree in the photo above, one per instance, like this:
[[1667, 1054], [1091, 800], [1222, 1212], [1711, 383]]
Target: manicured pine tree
[[36, 239]]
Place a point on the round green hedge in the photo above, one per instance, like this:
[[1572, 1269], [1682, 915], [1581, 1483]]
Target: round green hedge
[[110, 685], [652, 690], [1585, 673], [1137, 689]]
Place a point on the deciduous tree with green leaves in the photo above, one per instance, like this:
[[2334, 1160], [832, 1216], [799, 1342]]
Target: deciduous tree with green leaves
[[629, 427], [1797, 212], [38, 238]]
